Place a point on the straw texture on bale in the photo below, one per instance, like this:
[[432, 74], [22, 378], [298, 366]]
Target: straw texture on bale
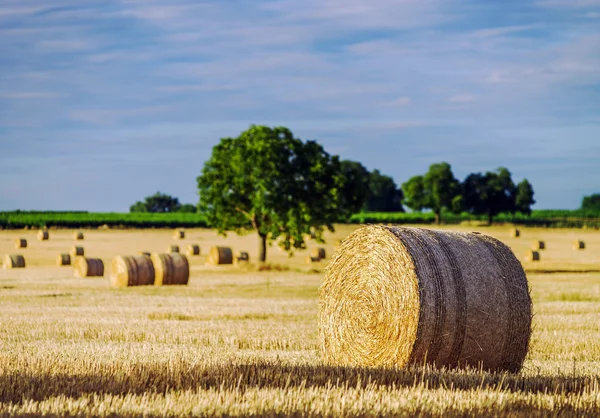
[[20, 243], [170, 269], [88, 267], [131, 271], [242, 257], [173, 249], [78, 236], [394, 296], [193, 249], [43, 235], [579, 245], [532, 256], [539, 245], [63, 260], [220, 255], [76, 251], [179, 234], [515, 233], [318, 252], [14, 261], [310, 260]]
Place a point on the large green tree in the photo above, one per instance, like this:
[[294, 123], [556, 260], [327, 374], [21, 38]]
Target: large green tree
[[355, 189], [267, 181], [158, 202], [591, 202], [524, 197], [383, 194]]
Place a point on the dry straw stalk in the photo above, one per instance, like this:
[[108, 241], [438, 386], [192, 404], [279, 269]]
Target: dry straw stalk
[[170, 269], [395, 296], [131, 271], [13, 261]]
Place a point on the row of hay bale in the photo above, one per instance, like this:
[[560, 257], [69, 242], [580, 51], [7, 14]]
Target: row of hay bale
[[157, 270], [535, 253], [192, 249], [44, 236]]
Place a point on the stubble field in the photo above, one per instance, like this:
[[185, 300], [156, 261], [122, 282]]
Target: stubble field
[[243, 342]]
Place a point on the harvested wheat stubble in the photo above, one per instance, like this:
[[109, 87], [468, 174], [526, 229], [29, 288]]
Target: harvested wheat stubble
[[219, 255], [78, 236], [532, 256], [173, 249], [76, 251], [88, 267], [579, 245], [20, 243], [170, 269], [43, 235], [515, 233], [539, 245], [179, 234], [14, 261], [394, 296], [193, 249], [318, 252], [242, 257], [63, 260], [131, 271]]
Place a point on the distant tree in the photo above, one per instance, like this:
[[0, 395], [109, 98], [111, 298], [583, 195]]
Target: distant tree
[[524, 197], [188, 208], [414, 193], [383, 194], [269, 182], [591, 202], [491, 193], [158, 202], [355, 189]]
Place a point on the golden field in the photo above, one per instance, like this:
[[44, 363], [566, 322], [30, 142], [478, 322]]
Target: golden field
[[243, 342]]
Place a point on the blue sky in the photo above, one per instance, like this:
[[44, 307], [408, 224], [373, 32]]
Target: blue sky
[[105, 102]]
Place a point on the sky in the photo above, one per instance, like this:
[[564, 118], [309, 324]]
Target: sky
[[104, 102]]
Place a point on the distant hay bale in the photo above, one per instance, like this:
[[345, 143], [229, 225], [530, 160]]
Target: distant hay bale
[[78, 236], [179, 234], [173, 249], [193, 249], [539, 245], [131, 271], [318, 252], [515, 233], [532, 256], [63, 259], [219, 255], [76, 251], [43, 235], [20, 243], [144, 253], [394, 296], [14, 261], [241, 258], [310, 260], [170, 269], [88, 267], [579, 245]]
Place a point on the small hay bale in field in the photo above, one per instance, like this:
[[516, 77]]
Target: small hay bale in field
[[20, 243], [144, 253], [310, 260], [539, 245], [395, 296], [131, 271], [515, 233], [63, 259], [219, 255], [76, 251], [14, 261], [43, 235], [579, 245], [173, 249], [241, 258], [78, 236], [179, 234], [193, 249], [170, 269], [88, 267], [532, 256], [318, 252]]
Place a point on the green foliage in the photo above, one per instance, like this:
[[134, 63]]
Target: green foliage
[[188, 208], [524, 198], [355, 189], [267, 181], [414, 193], [591, 202], [383, 194], [157, 203]]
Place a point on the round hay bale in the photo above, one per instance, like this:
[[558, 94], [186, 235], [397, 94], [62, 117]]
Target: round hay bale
[[131, 271], [78, 236], [88, 267], [394, 296], [193, 249], [43, 235], [179, 234], [144, 253], [220, 255], [76, 251], [14, 261], [318, 252], [170, 269], [515, 233], [532, 256], [310, 260], [20, 243], [539, 245], [242, 257], [579, 245], [173, 249], [63, 259]]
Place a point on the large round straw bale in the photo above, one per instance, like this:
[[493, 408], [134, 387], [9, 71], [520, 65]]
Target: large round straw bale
[[14, 261], [43, 235], [193, 249], [318, 252], [179, 234], [394, 296], [20, 243], [532, 256], [88, 267], [173, 249], [76, 251], [220, 255], [242, 257], [539, 245], [170, 269], [131, 271], [63, 260], [515, 233], [78, 236], [579, 245]]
